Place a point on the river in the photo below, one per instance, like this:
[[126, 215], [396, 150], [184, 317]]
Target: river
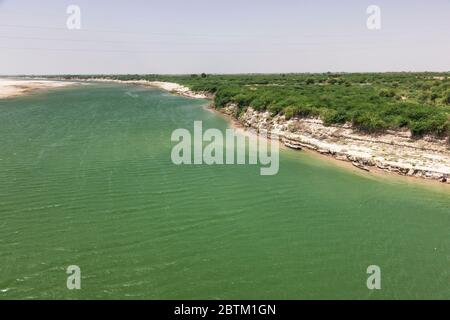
[[86, 179]]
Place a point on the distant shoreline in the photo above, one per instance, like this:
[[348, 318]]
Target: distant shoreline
[[10, 88], [166, 86]]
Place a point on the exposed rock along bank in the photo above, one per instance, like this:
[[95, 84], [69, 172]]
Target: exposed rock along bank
[[393, 151]]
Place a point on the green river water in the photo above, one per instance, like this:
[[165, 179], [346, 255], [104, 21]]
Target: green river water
[[86, 179]]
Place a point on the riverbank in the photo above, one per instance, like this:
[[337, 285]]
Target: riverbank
[[10, 88], [393, 152]]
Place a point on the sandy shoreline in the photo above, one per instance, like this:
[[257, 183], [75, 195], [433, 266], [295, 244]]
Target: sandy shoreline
[[166, 86], [10, 88]]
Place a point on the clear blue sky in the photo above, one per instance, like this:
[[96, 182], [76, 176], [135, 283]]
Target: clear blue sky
[[232, 36]]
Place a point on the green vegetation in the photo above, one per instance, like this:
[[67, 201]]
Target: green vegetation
[[372, 102]]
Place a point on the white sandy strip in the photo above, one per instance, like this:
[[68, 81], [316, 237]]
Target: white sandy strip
[[177, 88], [167, 86], [11, 88]]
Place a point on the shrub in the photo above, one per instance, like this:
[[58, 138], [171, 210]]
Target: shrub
[[289, 112], [369, 122], [387, 93], [334, 116], [447, 98]]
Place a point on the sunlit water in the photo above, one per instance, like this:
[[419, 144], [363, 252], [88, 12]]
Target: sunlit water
[[86, 179]]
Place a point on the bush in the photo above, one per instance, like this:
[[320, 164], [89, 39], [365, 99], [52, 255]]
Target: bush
[[437, 125], [334, 116], [369, 122], [289, 112], [274, 109], [447, 98], [387, 93]]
